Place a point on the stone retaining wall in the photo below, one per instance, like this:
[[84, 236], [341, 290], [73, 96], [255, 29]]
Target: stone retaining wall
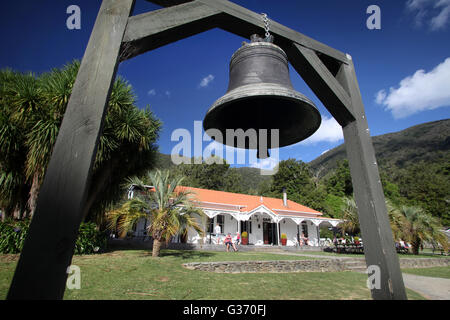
[[278, 266], [318, 265], [424, 262]]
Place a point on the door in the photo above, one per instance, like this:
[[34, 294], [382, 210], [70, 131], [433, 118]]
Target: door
[[266, 232], [270, 233]]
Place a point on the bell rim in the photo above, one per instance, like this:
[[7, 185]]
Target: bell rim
[[267, 89], [278, 91]]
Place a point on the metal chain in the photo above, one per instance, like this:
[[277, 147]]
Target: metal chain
[[266, 24]]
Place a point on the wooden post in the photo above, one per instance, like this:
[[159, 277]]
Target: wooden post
[[318, 235], [278, 233], [376, 232], [49, 246]]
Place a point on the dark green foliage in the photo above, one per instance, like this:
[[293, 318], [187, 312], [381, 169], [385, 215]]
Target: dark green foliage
[[333, 205], [414, 167], [297, 178], [212, 173], [90, 240], [340, 181], [31, 111], [252, 180], [12, 235], [427, 185], [241, 180]]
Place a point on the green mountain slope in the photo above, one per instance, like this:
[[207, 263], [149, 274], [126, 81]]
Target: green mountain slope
[[428, 142]]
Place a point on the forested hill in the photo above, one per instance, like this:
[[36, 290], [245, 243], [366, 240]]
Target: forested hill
[[250, 178], [414, 167], [428, 142]]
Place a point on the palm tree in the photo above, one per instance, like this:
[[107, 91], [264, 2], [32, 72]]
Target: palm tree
[[396, 220], [420, 227], [31, 112], [19, 97], [55, 89], [167, 206], [350, 216]]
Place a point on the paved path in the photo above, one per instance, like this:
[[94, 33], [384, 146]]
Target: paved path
[[429, 287]]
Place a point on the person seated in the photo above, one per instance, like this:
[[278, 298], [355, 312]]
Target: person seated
[[229, 242], [303, 240]]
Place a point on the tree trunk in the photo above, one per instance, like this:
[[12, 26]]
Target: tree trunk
[[156, 247], [17, 213], [99, 182], [34, 192], [415, 246]]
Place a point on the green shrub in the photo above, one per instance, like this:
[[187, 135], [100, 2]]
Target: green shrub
[[90, 240], [283, 236], [244, 234], [13, 233]]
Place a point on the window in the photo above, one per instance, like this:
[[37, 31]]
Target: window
[[210, 225], [246, 226], [220, 220], [305, 229]]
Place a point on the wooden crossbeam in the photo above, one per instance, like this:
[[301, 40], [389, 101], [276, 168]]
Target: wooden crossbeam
[[244, 22], [154, 29]]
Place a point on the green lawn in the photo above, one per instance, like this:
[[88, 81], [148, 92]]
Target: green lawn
[[438, 272], [134, 274]]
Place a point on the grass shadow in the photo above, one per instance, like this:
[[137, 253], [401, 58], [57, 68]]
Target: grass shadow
[[186, 254]]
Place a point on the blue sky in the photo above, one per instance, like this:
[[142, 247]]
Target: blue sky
[[402, 69]]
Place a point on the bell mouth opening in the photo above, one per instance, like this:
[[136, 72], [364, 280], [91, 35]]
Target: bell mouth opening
[[296, 119]]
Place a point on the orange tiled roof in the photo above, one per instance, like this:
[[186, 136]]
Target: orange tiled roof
[[246, 203]]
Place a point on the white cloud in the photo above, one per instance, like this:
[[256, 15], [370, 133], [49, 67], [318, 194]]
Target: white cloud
[[419, 92], [168, 93], [329, 131], [436, 13], [151, 92], [380, 96], [265, 164], [440, 21], [325, 151], [206, 81]]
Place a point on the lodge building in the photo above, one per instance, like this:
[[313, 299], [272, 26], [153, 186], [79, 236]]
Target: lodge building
[[263, 218]]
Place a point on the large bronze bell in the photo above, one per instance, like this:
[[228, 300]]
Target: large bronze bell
[[260, 96]]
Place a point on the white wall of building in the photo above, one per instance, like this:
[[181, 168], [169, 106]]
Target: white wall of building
[[290, 228], [255, 237]]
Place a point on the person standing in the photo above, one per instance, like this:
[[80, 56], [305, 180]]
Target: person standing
[[218, 231]]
